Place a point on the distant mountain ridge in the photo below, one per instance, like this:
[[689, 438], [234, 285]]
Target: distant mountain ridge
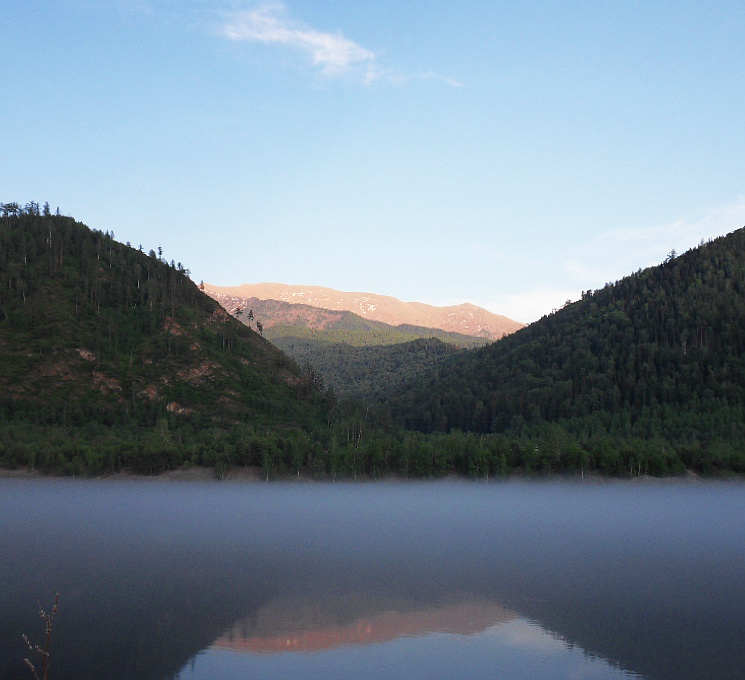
[[280, 320], [357, 357], [111, 359], [466, 318]]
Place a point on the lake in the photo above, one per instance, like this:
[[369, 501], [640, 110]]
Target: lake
[[516, 579]]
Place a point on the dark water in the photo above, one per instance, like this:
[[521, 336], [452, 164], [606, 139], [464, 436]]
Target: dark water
[[443, 580]]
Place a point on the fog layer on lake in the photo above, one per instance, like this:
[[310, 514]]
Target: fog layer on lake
[[529, 579]]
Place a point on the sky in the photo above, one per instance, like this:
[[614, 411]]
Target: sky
[[508, 154]]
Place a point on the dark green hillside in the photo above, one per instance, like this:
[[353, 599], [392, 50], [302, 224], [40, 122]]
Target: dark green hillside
[[111, 359], [363, 359], [93, 331], [658, 356], [286, 320], [355, 331], [366, 372], [358, 358]]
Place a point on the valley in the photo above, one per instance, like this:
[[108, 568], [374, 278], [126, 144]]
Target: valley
[[358, 355], [114, 360]]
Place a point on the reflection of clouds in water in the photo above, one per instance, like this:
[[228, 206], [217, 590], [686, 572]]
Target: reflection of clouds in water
[[529, 638], [522, 633]]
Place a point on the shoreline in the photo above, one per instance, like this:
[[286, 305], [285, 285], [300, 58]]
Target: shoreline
[[254, 475]]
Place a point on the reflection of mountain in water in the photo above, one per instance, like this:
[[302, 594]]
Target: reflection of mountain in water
[[154, 573], [304, 625]]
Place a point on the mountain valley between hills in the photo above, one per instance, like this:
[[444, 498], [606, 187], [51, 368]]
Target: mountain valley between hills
[[112, 360]]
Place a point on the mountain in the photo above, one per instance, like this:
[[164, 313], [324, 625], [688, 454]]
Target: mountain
[[357, 357], [280, 320], [367, 373], [96, 332], [369, 351], [466, 319], [112, 359], [309, 625], [655, 363]]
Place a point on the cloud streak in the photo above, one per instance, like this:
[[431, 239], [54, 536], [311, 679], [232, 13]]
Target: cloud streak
[[332, 53], [607, 257], [530, 305], [630, 249], [445, 79]]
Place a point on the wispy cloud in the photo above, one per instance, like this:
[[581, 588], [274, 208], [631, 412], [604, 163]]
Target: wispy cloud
[[607, 257], [530, 305], [614, 254], [445, 79], [332, 53], [521, 633]]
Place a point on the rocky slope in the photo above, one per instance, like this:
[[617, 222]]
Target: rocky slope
[[357, 357], [465, 318], [93, 330], [281, 320]]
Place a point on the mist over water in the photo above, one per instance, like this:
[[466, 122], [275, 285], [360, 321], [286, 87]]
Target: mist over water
[[528, 579]]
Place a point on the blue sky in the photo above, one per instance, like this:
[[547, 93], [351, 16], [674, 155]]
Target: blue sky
[[509, 154]]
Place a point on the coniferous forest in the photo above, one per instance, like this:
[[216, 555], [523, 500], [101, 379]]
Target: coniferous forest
[[646, 374], [112, 359]]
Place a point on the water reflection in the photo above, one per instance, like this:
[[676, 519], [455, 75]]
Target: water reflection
[[515, 648], [462, 639], [306, 625], [175, 579]]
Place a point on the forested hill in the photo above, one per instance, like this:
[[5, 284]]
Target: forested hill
[[659, 354], [94, 331], [279, 320], [367, 373], [357, 357]]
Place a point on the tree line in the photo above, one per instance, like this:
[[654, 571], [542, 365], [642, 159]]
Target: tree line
[[646, 376], [658, 356]]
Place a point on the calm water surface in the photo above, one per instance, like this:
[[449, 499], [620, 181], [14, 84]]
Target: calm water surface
[[514, 580]]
